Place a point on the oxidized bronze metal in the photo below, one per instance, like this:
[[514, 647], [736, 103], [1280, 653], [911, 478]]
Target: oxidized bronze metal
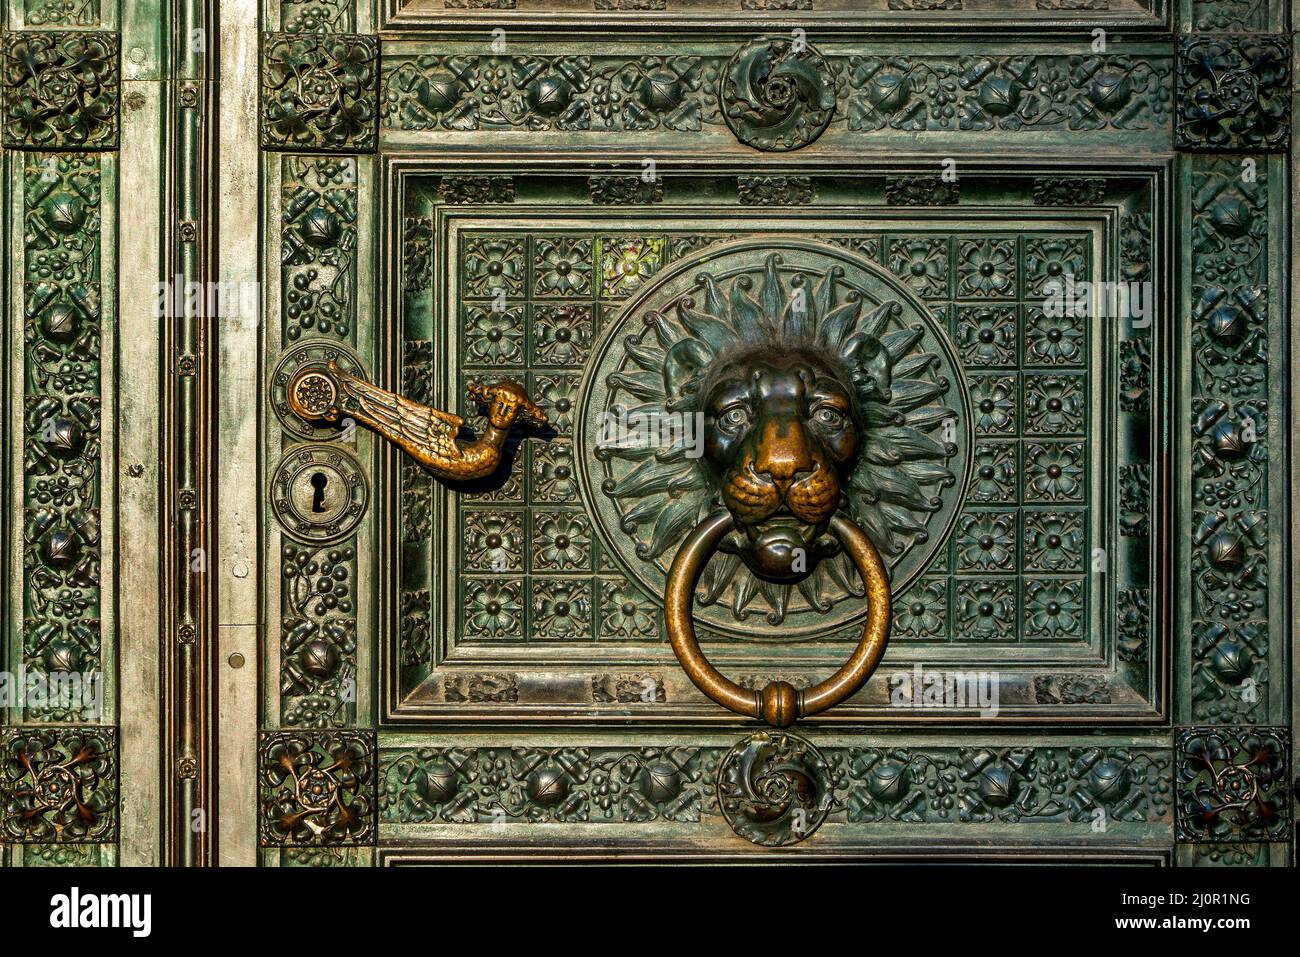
[[428, 435]]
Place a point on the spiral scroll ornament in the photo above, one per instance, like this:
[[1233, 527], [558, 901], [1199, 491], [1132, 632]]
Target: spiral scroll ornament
[[774, 788], [777, 95]]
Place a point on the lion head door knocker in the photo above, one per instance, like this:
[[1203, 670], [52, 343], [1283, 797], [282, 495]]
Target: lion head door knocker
[[831, 422], [329, 393]]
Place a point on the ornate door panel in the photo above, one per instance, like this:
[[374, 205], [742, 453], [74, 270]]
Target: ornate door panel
[[795, 429], [1080, 505]]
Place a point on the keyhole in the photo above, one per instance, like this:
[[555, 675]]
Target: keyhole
[[318, 482]]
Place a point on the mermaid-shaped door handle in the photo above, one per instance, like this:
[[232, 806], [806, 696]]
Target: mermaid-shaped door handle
[[329, 393]]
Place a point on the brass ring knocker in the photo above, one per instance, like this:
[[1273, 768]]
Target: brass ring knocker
[[779, 703]]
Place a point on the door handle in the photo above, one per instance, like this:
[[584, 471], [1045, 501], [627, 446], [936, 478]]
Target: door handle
[[329, 393], [779, 703]]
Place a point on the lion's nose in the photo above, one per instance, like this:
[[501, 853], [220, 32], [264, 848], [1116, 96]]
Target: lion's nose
[[784, 456]]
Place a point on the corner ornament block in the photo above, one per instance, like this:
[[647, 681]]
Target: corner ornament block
[[58, 785], [1233, 784], [316, 788], [1234, 93], [777, 96], [320, 92], [61, 90]]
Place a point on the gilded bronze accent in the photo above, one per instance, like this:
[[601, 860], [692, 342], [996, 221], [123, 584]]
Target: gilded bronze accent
[[329, 393], [779, 703]]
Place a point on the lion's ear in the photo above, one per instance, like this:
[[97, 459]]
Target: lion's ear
[[683, 365], [869, 364]]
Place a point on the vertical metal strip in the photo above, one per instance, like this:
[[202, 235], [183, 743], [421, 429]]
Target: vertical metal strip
[[236, 562], [139, 466]]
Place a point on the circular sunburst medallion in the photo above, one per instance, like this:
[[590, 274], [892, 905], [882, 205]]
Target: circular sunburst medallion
[[648, 476]]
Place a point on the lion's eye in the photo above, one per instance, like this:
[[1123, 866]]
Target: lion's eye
[[829, 417], [734, 418]]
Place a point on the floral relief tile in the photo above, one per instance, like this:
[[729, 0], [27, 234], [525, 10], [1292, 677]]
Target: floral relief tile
[[922, 262], [493, 266], [320, 92], [625, 612], [1054, 471], [493, 337], [993, 399], [987, 335], [562, 334], [561, 541], [1055, 404], [1054, 609], [923, 611], [1054, 541], [562, 266], [493, 540], [1054, 340], [993, 478], [561, 608], [986, 541], [986, 269], [985, 608], [60, 90], [557, 393], [1051, 262], [626, 263], [494, 608], [554, 478]]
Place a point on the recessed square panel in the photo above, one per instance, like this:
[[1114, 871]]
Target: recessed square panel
[[988, 478]]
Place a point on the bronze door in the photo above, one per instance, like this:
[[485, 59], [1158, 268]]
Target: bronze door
[[670, 429]]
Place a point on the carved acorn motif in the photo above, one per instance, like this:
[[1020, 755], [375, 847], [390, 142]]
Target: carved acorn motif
[[65, 213], [63, 438], [319, 228], [1108, 781], [661, 90], [997, 786], [1226, 550], [1226, 323], [440, 90], [1232, 662], [438, 783], [319, 658], [1229, 443], [61, 548], [61, 656], [999, 95], [548, 786], [888, 781], [661, 782], [549, 94], [889, 90], [59, 322], [1110, 91]]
